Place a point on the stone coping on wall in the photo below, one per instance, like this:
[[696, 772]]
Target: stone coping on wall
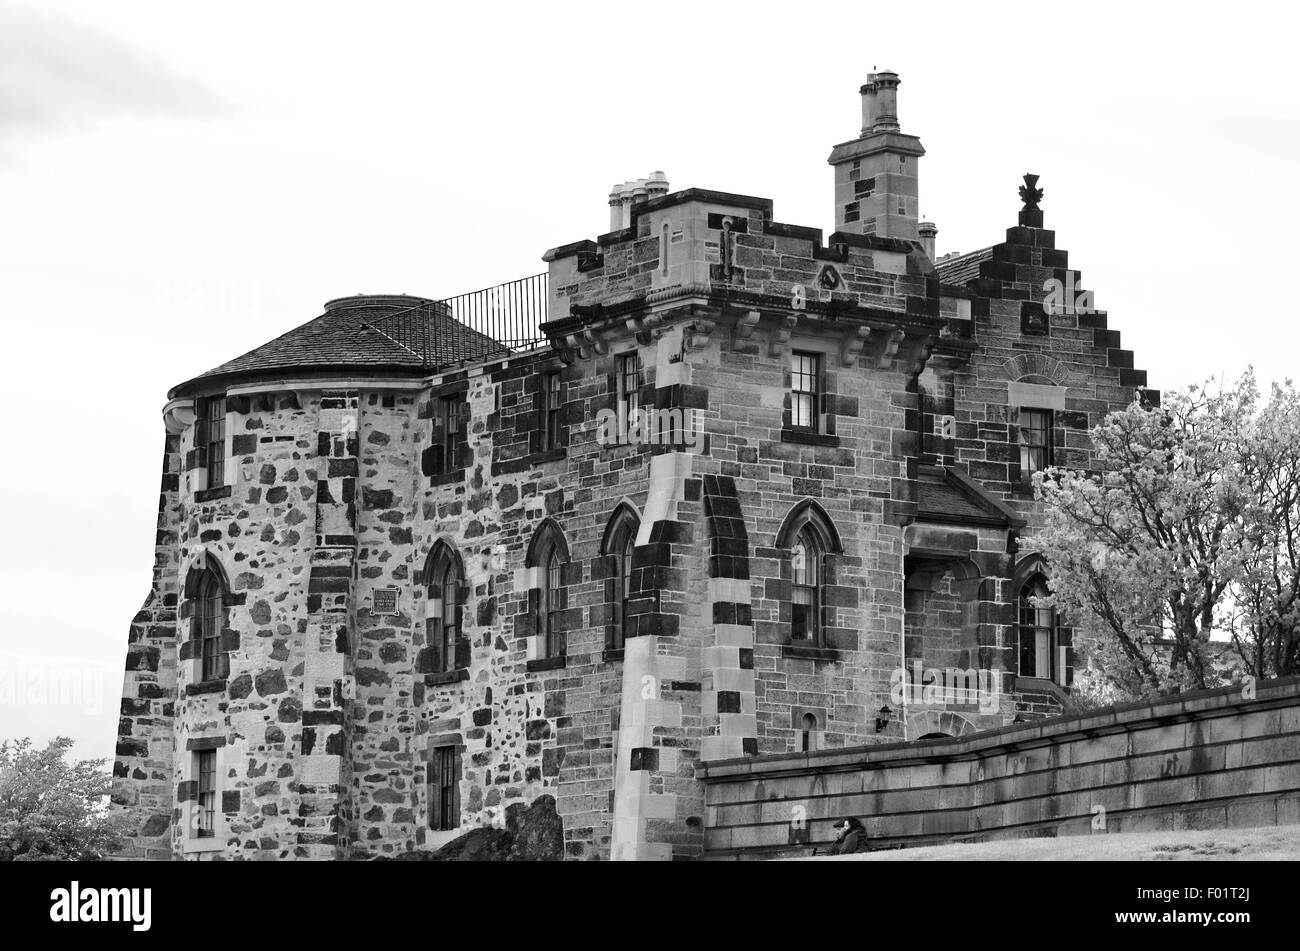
[[1283, 691]]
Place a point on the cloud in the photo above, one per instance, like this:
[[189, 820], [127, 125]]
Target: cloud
[[58, 74]]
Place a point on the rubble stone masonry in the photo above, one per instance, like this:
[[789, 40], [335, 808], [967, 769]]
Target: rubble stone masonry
[[362, 714]]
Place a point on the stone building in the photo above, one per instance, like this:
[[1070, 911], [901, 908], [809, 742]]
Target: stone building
[[714, 486]]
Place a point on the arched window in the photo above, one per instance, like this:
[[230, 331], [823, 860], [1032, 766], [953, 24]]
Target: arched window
[[205, 604], [620, 540], [549, 552], [210, 616], [444, 610], [1038, 632], [554, 605], [809, 728], [805, 600], [809, 536]]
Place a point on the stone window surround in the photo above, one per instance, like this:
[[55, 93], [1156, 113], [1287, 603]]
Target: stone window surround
[[817, 737], [808, 514], [191, 844], [192, 666], [1032, 568], [436, 838], [440, 553], [623, 526], [1034, 396], [547, 538], [826, 352]]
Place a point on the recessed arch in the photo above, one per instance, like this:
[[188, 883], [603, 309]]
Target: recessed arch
[[442, 551], [809, 514], [200, 561], [625, 514], [547, 538]]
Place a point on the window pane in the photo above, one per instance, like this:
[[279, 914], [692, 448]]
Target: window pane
[[1035, 440], [206, 769], [804, 374], [216, 426]]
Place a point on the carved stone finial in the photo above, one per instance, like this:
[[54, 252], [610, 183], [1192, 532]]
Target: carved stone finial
[[1031, 216], [1030, 194]]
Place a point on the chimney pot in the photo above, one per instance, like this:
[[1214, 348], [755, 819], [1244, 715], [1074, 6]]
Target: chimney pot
[[927, 231], [886, 117]]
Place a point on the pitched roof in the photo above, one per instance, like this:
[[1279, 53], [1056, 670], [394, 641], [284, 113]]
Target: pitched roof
[[963, 268], [353, 333], [949, 495]]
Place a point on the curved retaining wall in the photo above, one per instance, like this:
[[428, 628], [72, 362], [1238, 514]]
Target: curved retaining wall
[[1210, 759]]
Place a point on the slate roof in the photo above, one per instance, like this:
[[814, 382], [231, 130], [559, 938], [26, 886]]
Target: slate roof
[[339, 339], [963, 269], [949, 495]]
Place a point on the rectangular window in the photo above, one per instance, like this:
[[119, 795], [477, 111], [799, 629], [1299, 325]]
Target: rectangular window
[[551, 421], [449, 417], [631, 377], [851, 211], [1035, 440], [205, 768], [213, 415], [805, 373], [444, 783]]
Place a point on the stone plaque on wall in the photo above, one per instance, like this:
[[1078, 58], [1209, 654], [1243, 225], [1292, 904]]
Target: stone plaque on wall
[[384, 601]]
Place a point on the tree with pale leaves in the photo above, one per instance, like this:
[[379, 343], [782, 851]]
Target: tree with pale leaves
[[1187, 529], [52, 809]]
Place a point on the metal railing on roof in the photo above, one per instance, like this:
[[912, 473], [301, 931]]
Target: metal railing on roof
[[493, 321]]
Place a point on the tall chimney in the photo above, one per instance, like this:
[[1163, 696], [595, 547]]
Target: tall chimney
[[657, 184], [886, 102], [927, 231], [616, 208], [876, 174], [868, 92], [622, 198]]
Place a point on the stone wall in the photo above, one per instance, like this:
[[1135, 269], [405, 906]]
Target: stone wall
[[1206, 760], [339, 492]]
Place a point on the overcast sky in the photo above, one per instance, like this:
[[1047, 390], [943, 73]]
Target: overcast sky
[[180, 183]]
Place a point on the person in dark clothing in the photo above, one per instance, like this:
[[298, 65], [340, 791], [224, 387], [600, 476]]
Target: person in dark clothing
[[850, 837]]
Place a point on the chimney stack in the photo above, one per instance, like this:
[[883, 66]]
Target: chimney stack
[[868, 92], [927, 231], [623, 197], [876, 174], [886, 119]]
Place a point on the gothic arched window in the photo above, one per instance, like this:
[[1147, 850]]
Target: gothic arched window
[[805, 578], [210, 616], [1038, 631], [549, 553], [444, 609], [620, 540], [810, 538]]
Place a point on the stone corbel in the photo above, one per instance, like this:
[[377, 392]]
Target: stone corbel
[[598, 346], [697, 335], [854, 341], [892, 343], [643, 326], [781, 334], [921, 356], [743, 332], [576, 345], [178, 415]]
